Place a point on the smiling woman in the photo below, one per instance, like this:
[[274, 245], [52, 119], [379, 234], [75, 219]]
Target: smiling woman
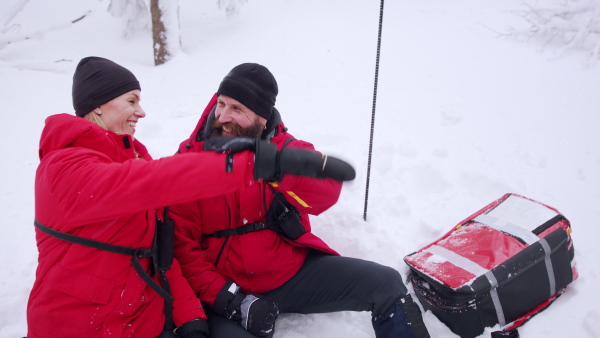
[[101, 292], [121, 114]]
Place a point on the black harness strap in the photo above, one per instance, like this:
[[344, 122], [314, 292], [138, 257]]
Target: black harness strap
[[282, 218], [144, 253], [241, 230], [146, 278], [169, 324], [252, 227], [135, 253]]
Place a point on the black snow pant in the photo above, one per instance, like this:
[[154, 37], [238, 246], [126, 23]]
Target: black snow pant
[[324, 284]]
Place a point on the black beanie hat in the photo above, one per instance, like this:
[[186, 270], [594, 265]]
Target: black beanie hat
[[252, 85], [97, 81]]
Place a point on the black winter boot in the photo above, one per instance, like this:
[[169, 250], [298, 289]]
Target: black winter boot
[[402, 319]]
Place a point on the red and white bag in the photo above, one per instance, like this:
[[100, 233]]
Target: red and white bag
[[501, 265]]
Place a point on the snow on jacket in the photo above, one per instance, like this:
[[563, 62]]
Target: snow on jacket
[[90, 184], [258, 261]]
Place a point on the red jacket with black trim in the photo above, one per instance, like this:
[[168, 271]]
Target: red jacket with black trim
[[90, 184], [257, 261]]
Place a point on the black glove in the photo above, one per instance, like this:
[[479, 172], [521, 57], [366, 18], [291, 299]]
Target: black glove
[[255, 313], [271, 165], [197, 328], [227, 144]]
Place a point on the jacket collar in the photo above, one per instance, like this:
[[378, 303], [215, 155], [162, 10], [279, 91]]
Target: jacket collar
[[65, 130]]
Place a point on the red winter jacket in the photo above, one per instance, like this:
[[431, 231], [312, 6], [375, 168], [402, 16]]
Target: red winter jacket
[[90, 184], [258, 261]]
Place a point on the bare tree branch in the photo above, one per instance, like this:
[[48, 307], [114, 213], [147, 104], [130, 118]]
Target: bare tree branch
[[572, 26], [8, 38]]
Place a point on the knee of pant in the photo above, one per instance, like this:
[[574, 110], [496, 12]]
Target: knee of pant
[[389, 289], [391, 282]]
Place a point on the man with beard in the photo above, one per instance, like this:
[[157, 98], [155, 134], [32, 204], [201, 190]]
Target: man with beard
[[240, 121], [251, 255]]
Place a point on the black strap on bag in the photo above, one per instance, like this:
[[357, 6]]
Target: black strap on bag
[[285, 216], [162, 254]]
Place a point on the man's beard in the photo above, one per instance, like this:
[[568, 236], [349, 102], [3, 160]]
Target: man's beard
[[253, 131]]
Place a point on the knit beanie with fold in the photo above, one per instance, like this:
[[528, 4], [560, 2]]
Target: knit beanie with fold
[[253, 85], [98, 80]]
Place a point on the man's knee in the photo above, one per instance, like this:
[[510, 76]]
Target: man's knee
[[389, 288], [391, 282]]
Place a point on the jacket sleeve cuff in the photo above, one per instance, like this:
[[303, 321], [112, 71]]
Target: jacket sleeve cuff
[[224, 297], [187, 311], [193, 328]]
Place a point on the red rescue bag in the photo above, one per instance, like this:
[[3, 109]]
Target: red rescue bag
[[502, 265]]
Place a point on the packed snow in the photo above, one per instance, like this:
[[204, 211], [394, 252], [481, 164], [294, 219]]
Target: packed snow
[[467, 110]]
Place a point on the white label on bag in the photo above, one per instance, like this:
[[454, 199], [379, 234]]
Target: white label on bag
[[518, 216], [522, 212]]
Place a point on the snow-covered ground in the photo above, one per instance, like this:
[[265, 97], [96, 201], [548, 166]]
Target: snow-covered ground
[[463, 116]]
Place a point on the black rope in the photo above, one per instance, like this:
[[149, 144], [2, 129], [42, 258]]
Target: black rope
[[373, 113]]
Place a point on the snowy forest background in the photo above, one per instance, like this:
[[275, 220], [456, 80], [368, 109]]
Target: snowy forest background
[[475, 99]]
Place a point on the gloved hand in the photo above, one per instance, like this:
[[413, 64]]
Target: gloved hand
[[271, 165], [228, 144], [255, 313], [197, 328]]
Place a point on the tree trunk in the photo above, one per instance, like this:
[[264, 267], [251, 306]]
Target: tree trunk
[[165, 29]]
